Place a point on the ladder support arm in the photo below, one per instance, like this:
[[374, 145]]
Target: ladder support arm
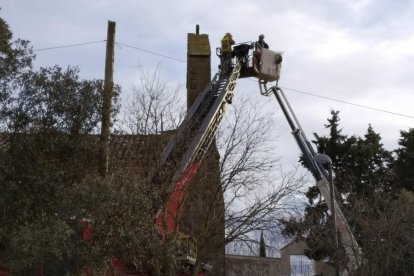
[[321, 175]]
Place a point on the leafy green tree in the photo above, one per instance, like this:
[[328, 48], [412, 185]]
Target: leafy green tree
[[46, 155], [15, 58], [44, 117], [56, 100]]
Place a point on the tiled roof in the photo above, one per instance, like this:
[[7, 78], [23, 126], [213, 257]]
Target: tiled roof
[[121, 146]]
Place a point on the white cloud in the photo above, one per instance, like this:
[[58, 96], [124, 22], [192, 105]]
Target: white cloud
[[395, 50]]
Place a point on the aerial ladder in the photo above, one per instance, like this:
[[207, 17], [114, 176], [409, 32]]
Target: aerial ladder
[[187, 148]]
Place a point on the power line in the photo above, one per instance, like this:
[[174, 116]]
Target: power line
[[291, 89], [183, 61], [349, 103], [67, 46], [150, 52]]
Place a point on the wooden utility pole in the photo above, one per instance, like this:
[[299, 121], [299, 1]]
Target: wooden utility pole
[[107, 99]]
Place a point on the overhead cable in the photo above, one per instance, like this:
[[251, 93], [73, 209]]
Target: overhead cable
[[349, 103], [183, 61], [150, 52], [67, 46]]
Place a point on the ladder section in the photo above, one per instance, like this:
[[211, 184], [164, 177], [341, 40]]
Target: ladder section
[[222, 96], [187, 148]]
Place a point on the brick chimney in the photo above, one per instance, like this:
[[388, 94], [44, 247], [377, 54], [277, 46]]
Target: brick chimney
[[198, 65]]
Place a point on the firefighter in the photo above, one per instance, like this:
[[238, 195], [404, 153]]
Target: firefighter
[[260, 44], [226, 43]]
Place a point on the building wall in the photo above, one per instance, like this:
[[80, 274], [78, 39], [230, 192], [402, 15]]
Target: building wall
[[251, 265], [261, 266]]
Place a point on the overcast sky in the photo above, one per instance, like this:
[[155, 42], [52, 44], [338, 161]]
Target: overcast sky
[[358, 51]]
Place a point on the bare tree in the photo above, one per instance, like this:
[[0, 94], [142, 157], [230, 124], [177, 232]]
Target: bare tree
[[255, 186], [153, 107]]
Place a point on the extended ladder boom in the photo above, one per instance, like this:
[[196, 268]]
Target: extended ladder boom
[[321, 175], [181, 158]]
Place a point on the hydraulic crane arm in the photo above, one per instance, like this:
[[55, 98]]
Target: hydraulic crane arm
[[321, 175]]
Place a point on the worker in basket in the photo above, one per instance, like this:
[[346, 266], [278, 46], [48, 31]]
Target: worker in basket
[[259, 46]]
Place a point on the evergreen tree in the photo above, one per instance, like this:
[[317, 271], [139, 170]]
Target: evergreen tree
[[377, 201], [403, 167], [360, 166], [262, 247]]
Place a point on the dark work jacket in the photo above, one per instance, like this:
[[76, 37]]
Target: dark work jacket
[[261, 45]]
